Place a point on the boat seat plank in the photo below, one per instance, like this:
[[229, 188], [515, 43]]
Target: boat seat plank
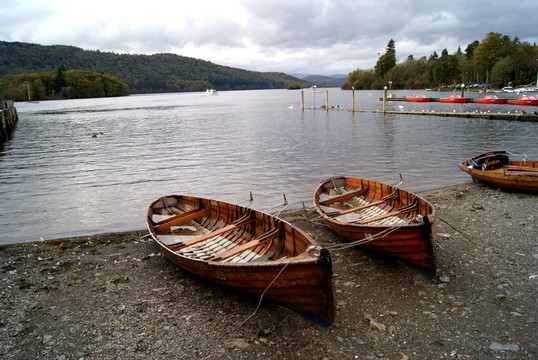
[[344, 197], [181, 219], [520, 169], [242, 221], [389, 214], [247, 246], [208, 249], [391, 196]]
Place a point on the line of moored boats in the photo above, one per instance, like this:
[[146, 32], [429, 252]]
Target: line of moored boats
[[531, 100]]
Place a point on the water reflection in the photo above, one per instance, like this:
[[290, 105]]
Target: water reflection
[[57, 180]]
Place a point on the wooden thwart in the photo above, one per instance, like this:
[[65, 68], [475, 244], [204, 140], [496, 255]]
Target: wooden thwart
[[241, 221], [520, 168], [401, 211], [181, 219], [365, 206], [250, 245], [344, 197]]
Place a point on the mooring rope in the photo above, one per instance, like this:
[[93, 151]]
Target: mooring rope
[[367, 239], [468, 237], [309, 250]]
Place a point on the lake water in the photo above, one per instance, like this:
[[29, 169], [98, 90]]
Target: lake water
[[57, 180]]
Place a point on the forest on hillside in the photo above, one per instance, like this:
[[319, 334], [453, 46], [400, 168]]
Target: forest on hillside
[[142, 73], [60, 84], [497, 60]]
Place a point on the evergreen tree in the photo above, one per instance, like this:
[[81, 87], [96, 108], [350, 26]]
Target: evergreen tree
[[59, 81], [387, 61]]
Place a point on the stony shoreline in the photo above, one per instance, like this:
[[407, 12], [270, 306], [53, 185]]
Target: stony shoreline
[[114, 296]]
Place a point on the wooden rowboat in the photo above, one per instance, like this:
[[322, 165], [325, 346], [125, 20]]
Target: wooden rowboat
[[496, 168], [246, 250], [381, 217]]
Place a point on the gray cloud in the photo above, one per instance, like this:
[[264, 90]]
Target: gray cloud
[[320, 36]]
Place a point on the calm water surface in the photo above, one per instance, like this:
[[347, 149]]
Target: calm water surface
[[57, 180]]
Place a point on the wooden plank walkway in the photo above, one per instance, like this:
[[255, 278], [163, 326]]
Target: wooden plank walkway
[[476, 115]]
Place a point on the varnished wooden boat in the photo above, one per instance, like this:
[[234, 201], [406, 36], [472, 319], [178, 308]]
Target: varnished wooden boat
[[496, 168], [381, 217], [246, 250]]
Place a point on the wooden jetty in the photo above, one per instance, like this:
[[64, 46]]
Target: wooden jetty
[[522, 116], [468, 115], [8, 119]]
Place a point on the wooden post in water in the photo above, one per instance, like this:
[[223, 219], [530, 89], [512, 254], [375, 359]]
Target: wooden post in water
[[353, 99], [326, 100], [302, 100], [384, 99]]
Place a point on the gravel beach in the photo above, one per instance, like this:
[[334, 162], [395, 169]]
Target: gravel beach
[[113, 296]]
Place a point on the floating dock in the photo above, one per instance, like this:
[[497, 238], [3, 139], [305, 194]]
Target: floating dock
[[521, 116], [468, 115]]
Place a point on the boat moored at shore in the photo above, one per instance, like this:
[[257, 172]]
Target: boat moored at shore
[[381, 217], [246, 250]]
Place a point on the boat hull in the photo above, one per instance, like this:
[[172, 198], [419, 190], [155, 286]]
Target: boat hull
[[490, 99], [454, 99], [408, 239], [523, 102], [506, 174], [418, 98], [297, 274], [529, 100]]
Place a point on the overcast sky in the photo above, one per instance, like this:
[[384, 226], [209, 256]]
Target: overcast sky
[[291, 36]]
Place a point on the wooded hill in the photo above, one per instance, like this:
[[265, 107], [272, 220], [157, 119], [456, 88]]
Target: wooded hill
[[60, 84], [142, 73]]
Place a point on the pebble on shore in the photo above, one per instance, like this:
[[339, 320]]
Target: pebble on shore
[[115, 296]]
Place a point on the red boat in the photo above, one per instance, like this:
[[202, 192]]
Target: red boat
[[525, 100], [490, 99], [419, 98], [454, 98]]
